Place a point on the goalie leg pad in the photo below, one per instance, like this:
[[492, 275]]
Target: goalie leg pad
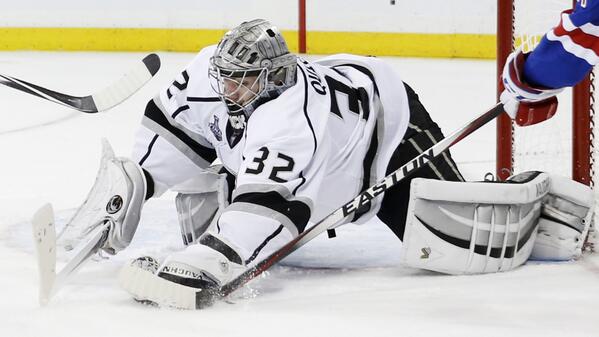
[[472, 227], [565, 220], [200, 202]]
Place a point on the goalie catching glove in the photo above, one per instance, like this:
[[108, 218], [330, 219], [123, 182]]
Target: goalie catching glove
[[116, 198]]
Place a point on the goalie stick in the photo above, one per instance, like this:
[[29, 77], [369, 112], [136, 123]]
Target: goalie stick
[[44, 235], [102, 100]]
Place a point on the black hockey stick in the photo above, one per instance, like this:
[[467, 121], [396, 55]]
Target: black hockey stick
[[102, 100], [205, 298]]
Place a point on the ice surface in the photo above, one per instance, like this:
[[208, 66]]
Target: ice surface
[[348, 286]]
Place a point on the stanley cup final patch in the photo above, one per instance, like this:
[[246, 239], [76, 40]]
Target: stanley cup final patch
[[216, 129]]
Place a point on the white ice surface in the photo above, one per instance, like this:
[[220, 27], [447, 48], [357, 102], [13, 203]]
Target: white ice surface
[[348, 286]]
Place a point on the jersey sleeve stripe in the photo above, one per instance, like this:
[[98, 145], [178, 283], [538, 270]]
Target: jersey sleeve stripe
[[166, 127], [293, 214], [180, 145], [590, 29], [578, 37], [180, 110], [203, 99], [568, 25], [586, 39], [173, 122], [262, 188], [571, 47], [578, 41]]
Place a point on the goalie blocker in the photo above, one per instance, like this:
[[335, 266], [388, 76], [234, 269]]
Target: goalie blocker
[[495, 226]]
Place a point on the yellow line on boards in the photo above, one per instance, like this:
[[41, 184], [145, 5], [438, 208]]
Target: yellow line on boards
[[107, 39], [403, 44], [190, 40]]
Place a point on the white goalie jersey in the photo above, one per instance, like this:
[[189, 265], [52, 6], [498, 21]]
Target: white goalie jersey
[[300, 157]]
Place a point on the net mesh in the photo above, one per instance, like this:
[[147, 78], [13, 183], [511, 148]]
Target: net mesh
[[548, 146], [545, 146]]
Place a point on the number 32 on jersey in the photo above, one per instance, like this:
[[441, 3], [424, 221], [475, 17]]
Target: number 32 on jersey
[[284, 163]]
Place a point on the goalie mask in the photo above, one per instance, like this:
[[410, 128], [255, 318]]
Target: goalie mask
[[251, 65]]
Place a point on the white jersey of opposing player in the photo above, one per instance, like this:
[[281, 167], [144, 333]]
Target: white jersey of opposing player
[[301, 155]]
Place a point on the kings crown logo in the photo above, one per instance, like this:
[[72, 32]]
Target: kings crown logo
[[215, 129]]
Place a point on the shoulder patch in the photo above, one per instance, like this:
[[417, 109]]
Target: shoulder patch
[[216, 129]]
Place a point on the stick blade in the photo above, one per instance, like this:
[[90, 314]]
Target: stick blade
[[44, 238], [152, 62], [127, 85]]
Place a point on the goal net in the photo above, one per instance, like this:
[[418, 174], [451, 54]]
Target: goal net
[[565, 144]]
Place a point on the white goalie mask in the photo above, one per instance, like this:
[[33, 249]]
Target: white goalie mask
[[251, 65]]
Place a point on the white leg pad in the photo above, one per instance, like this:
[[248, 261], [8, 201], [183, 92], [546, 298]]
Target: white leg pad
[[200, 202], [565, 220], [472, 227]]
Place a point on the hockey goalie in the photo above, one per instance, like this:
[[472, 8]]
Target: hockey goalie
[[293, 140]]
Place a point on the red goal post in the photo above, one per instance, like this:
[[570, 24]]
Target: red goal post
[[581, 106]]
